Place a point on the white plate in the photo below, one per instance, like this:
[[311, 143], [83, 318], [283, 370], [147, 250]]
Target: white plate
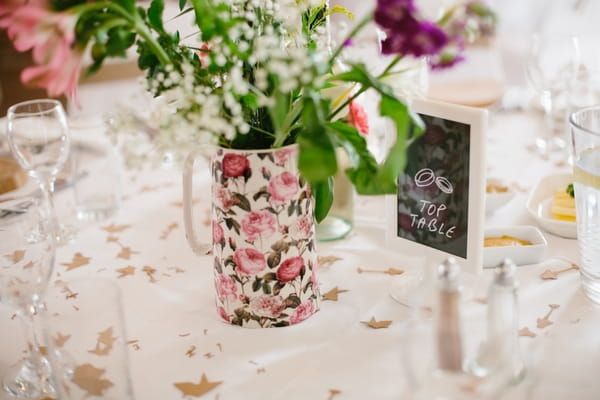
[[520, 255], [539, 203]]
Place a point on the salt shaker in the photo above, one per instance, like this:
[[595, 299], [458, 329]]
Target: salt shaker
[[448, 325], [501, 351]]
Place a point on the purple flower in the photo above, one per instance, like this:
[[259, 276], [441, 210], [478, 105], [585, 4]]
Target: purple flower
[[390, 13], [412, 37]]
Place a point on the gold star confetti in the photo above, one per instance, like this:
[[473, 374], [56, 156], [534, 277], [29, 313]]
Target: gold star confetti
[[208, 355], [333, 393], [333, 294], [389, 271], [526, 332], [327, 261], [148, 270], [112, 239], [191, 352], [261, 370], [104, 342], [550, 274], [197, 389], [78, 261], [135, 344], [545, 321], [126, 271], [112, 228], [177, 270], [179, 204], [168, 231], [126, 253], [88, 378], [59, 340], [373, 323], [28, 265], [184, 334], [17, 256]]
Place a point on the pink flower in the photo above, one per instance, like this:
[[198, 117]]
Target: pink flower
[[223, 198], [283, 187], [302, 312], [223, 314], [358, 118], [301, 228], [249, 261], [50, 35], [217, 232], [290, 269], [258, 223], [226, 288], [234, 165], [267, 306], [283, 155]]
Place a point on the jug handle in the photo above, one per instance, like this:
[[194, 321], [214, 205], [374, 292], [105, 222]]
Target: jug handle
[[197, 246]]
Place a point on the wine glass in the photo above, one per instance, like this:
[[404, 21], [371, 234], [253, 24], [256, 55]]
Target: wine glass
[[39, 139], [27, 249], [87, 339], [551, 68]]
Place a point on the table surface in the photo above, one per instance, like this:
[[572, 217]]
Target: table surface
[[176, 336]]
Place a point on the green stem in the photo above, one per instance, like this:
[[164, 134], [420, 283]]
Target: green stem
[[385, 72], [366, 19], [138, 24]]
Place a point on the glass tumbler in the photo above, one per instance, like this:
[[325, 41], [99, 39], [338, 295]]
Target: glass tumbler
[[585, 138]]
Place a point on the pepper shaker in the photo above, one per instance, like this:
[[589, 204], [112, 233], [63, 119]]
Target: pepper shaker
[[448, 324]]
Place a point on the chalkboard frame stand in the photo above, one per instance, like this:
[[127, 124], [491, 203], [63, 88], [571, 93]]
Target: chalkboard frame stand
[[477, 119]]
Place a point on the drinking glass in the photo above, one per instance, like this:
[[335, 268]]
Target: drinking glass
[[26, 264], [87, 344], [39, 139], [585, 136], [551, 68]]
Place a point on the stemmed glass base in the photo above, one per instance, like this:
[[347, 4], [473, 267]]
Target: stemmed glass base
[[29, 378]]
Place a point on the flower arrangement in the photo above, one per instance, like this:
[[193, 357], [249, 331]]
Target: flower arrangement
[[255, 74]]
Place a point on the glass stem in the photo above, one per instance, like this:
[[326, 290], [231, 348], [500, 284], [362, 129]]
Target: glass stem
[[36, 361], [47, 186]]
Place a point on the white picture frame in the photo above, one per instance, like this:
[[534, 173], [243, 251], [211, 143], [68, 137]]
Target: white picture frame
[[465, 246]]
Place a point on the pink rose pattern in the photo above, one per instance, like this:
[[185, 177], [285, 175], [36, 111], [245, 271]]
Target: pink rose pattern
[[263, 238], [258, 224], [283, 187]]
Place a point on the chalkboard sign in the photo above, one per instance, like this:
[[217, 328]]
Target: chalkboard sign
[[439, 208]]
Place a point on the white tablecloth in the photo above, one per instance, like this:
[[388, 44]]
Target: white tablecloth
[[176, 336]]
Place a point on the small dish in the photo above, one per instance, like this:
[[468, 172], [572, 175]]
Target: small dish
[[520, 255], [540, 201], [497, 194]]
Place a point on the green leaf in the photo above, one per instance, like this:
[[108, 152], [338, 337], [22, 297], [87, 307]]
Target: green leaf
[[316, 159], [293, 301], [182, 4], [323, 194], [129, 5], [359, 73], [242, 201], [278, 113], [273, 259], [155, 12], [396, 159], [256, 284]]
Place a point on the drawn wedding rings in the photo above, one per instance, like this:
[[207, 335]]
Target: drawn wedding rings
[[426, 177]]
